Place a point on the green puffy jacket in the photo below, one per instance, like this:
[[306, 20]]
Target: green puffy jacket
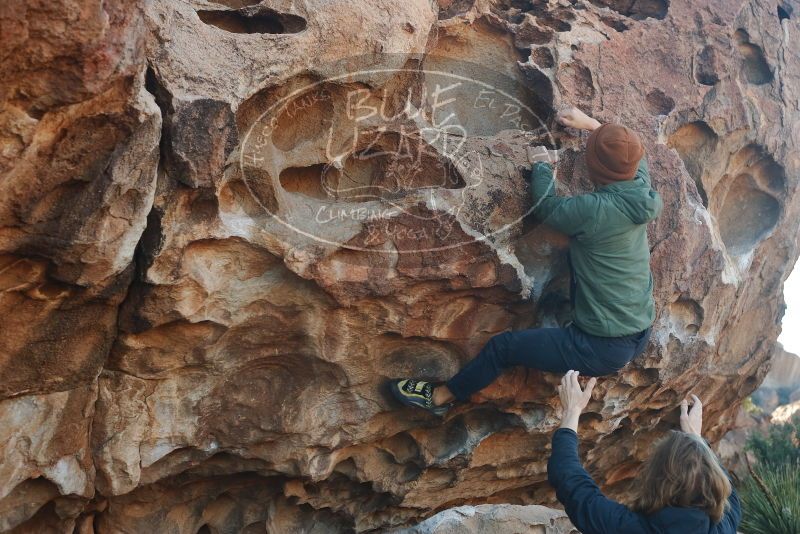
[[612, 287]]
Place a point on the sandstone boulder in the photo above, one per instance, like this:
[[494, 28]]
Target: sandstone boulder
[[784, 375], [494, 518], [224, 225]]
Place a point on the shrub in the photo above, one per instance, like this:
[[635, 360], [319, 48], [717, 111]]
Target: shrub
[[750, 407], [771, 500], [779, 446], [771, 494]]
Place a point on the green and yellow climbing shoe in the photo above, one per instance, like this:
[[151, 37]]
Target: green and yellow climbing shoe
[[419, 393]]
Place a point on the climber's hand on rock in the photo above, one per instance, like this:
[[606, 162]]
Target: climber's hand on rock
[[692, 419], [573, 398], [540, 153], [572, 117]]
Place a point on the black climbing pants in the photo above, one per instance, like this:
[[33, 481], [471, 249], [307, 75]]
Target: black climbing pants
[[556, 350]]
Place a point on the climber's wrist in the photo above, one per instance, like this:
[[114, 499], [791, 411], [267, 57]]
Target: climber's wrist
[[570, 419], [591, 124]]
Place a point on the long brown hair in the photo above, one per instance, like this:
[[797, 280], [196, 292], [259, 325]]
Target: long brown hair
[[682, 472]]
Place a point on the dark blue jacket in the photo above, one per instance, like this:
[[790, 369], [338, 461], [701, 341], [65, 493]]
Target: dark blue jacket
[[594, 513]]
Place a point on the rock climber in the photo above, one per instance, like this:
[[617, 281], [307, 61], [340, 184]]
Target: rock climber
[[681, 488], [611, 286]]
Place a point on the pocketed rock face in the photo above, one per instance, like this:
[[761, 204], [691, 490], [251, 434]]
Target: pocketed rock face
[[78, 160], [223, 227]]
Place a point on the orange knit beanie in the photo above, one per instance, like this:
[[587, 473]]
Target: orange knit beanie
[[613, 152]]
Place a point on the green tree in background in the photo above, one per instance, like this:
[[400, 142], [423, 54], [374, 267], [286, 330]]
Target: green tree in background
[[771, 494]]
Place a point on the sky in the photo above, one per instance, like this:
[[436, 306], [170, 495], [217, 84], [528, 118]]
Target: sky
[[790, 335]]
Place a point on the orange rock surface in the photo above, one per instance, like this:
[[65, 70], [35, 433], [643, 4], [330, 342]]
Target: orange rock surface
[[224, 225]]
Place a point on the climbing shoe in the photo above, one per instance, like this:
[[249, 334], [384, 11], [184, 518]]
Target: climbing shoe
[[412, 392]]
